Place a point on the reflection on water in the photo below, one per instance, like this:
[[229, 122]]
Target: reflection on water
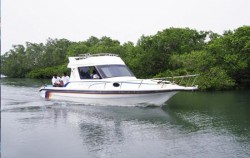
[[214, 110], [189, 125]]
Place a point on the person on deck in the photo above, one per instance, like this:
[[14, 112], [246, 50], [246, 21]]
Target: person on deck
[[55, 81], [65, 78]]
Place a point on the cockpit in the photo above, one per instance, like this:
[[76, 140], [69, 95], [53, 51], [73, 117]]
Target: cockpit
[[104, 71]]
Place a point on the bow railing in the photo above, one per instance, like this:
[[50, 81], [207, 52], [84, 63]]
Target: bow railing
[[186, 80]]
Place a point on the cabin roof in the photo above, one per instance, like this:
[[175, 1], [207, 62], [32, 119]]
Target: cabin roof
[[95, 59]]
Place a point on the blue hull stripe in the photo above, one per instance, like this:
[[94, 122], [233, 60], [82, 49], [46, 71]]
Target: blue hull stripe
[[105, 92]]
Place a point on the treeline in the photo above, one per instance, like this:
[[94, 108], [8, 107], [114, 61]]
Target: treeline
[[223, 61]]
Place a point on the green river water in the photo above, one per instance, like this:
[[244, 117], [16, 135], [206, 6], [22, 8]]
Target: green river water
[[191, 124]]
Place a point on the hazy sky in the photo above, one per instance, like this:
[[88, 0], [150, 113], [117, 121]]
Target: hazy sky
[[124, 20]]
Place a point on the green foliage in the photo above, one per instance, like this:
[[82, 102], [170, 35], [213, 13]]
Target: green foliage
[[196, 61], [232, 52], [77, 48], [13, 63], [169, 73], [47, 72], [174, 40], [105, 45], [159, 48], [223, 61], [21, 60], [212, 76], [215, 78]]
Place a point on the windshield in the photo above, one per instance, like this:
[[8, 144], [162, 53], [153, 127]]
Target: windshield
[[107, 71]]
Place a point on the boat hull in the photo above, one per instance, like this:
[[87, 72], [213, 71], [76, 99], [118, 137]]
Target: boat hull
[[120, 98], [115, 85]]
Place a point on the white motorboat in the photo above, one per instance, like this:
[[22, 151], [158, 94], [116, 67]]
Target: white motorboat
[[112, 84]]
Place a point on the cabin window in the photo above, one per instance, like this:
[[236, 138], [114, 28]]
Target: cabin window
[[107, 71], [84, 72], [87, 72]]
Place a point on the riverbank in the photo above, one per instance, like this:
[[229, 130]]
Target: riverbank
[[221, 60]]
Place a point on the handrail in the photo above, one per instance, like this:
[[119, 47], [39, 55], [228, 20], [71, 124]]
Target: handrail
[[120, 82], [164, 79], [87, 55], [185, 76], [140, 84]]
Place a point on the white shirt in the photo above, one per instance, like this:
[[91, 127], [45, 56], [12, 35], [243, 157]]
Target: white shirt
[[95, 76], [55, 80], [65, 79]]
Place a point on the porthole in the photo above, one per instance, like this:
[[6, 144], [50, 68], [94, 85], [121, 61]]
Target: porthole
[[116, 84]]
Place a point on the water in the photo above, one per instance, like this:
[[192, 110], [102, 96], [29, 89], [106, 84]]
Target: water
[[198, 124]]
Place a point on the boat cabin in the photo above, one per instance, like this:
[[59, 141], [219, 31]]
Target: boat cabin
[[98, 66]]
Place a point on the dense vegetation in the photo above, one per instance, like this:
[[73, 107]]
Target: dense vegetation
[[223, 61]]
